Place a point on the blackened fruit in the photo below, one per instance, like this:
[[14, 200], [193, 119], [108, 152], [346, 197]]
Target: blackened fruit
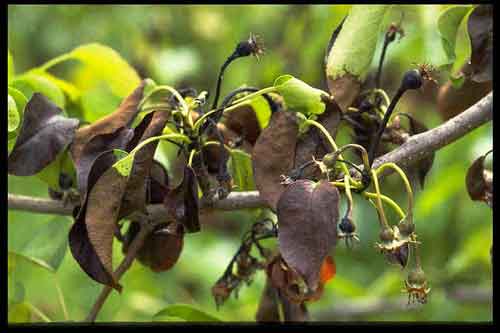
[[329, 160], [412, 79], [65, 181], [386, 235], [347, 226]]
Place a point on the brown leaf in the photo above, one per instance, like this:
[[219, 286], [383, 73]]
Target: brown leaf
[[274, 154], [452, 102], [94, 148], [136, 188], [243, 121], [423, 166], [81, 247], [344, 89], [308, 214], [182, 202], [480, 27], [121, 117], [479, 182], [268, 310], [44, 133], [162, 247], [294, 312], [158, 183]]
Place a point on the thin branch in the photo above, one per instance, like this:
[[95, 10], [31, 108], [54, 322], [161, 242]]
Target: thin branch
[[416, 148], [124, 266], [379, 306]]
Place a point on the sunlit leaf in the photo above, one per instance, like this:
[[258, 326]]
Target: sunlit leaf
[[31, 83], [13, 115], [299, 96], [240, 166], [19, 313]]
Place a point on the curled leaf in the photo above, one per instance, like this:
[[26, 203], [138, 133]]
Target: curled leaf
[[479, 182], [480, 26], [82, 248], [299, 96], [13, 118], [308, 214], [123, 116], [44, 133], [182, 202], [274, 155], [161, 248]]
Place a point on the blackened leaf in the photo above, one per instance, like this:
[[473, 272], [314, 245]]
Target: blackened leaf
[[136, 190], [268, 310], [424, 165], [158, 183], [274, 154], [44, 133], [122, 116], [480, 27], [182, 202], [479, 182], [308, 214], [162, 247], [94, 148]]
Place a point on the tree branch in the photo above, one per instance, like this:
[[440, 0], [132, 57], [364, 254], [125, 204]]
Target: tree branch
[[416, 148]]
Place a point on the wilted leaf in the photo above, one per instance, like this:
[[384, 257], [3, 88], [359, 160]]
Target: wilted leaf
[[121, 117], [274, 155], [480, 26], [183, 312], [479, 182], [135, 192], [13, 117], [243, 121], [182, 202], [94, 148], [32, 82], [240, 166], [299, 96], [423, 166], [351, 55], [158, 183], [44, 133], [161, 248], [453, 101], [104, 193], [268, 310], [294, 312], [307, 216]]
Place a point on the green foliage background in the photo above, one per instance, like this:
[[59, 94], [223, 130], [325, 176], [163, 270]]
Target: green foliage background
[[185, 46]]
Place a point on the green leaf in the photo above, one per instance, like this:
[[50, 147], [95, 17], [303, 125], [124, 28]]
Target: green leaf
[[299, 96], [20, 101], [10, 67], [48, 246], [31, 82], [67, 87], [262, 110], [355, 45], [184, 312], [19, 313], [240, 167], [448, 26], [98, 102], [106, 64], [13, 115], [124, 163]]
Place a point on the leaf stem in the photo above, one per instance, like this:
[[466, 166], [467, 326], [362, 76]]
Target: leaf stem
[[409, 191], [380, 207], [60, 296]]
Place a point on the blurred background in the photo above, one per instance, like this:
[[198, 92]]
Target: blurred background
[[184, 46]]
